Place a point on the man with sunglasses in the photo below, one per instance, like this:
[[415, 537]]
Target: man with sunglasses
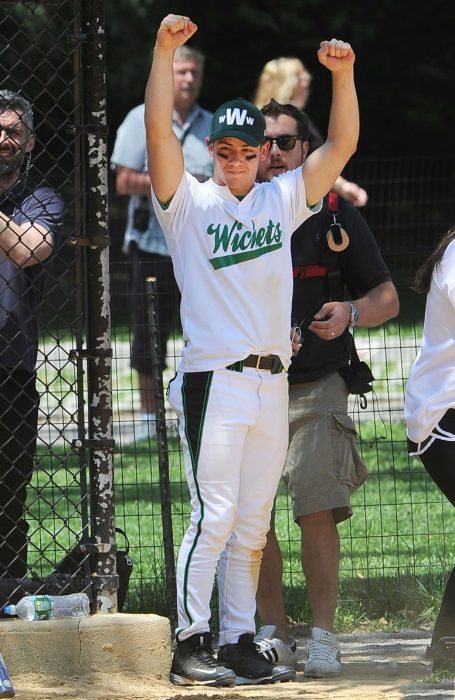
[[229, 239], [31, 215], [323, 466]]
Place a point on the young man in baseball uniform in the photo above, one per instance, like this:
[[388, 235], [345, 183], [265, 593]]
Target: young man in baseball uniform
[[229, 239]]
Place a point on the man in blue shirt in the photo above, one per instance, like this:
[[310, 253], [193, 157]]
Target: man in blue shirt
[[30, 222]]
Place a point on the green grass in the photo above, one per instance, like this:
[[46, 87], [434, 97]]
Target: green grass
[[54, 504], [396, 550], [446, 672]]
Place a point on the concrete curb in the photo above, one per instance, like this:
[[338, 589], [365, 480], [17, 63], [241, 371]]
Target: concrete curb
[[116, 643]]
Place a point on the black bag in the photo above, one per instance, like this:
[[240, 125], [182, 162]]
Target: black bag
[[357, 374], [75, 562], [71, 575], [13, 589]]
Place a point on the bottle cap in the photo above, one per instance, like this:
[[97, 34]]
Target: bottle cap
[[9, 609]]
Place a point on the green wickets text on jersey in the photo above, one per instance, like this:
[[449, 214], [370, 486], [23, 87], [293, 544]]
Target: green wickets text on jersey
[[243, 244]]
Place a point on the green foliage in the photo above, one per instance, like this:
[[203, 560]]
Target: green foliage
[[444, 672]]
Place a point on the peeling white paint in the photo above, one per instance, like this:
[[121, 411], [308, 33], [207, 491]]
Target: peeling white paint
[[97, 151], [106, 604], [102, 112], [97, 399], [104, 259], [103, 341], [97, 155]]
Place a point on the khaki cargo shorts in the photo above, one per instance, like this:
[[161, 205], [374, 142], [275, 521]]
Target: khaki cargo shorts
[[323, 466]]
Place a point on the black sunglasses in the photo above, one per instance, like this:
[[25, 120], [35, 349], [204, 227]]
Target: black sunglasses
[[285, 142]]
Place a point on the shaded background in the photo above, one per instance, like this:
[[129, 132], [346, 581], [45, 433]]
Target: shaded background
[[404, 69], [404, 75]]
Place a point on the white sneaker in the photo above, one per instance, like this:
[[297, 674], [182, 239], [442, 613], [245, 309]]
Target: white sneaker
[[274, 649], [323, 659]]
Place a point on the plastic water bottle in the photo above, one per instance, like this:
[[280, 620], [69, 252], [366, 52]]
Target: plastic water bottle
[[6, 687], [47, 607]]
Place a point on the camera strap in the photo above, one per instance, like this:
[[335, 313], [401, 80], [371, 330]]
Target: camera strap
[[333, 242], [357, 374], [336, 237]]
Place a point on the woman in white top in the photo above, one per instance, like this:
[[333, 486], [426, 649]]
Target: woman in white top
[[430, 405]]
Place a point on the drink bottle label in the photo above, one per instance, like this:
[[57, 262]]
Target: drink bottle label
[[43, 607]]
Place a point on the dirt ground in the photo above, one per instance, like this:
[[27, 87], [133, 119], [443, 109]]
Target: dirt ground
[[375, 665]]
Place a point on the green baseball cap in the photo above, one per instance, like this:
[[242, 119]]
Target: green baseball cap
[[238, 119]]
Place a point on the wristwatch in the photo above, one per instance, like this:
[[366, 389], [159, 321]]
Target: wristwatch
[[354, 318]]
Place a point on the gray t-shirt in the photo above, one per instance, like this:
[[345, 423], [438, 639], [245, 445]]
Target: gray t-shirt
[[21, 289], [130, 151]]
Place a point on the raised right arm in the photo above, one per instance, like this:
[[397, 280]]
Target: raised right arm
[[165, 156]]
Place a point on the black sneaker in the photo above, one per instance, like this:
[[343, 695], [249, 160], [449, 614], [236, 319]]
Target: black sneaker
[[194, 662], [249, 666]]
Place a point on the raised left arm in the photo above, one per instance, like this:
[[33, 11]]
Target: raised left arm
[[326, 163]]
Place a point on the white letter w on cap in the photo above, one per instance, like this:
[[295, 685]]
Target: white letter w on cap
[[235, 116]]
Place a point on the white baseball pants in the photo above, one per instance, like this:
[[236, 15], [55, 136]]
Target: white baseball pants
[[234, 432]]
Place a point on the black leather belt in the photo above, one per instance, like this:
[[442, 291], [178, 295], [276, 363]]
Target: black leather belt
[[268, 363]]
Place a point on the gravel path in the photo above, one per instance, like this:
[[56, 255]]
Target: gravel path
[[386, 666]]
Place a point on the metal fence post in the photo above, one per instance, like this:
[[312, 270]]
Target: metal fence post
[[163, 451], [98, 353]]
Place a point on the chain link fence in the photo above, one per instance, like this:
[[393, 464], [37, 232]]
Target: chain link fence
[[84, 421], [399, 546], [55, 413]]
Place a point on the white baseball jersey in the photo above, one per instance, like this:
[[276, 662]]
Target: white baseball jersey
[[232, 263], [430, 390]]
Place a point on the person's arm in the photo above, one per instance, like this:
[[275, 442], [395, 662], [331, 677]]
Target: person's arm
[[350, 191], [377, 306], [128, 181], [165, 155], [25, 244], [324, 165], [129, 156]]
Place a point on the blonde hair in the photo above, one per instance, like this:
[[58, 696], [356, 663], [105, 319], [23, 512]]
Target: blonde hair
[[278, 80]]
